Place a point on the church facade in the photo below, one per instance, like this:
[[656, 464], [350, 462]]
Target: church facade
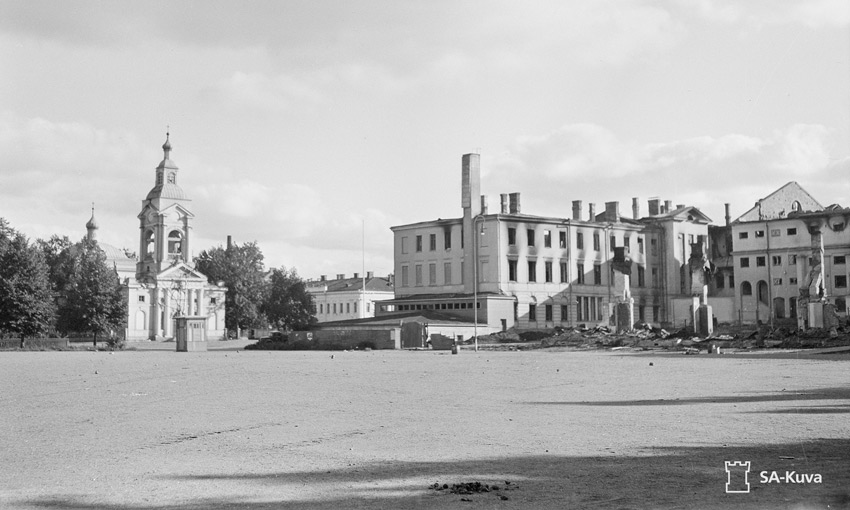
[[165, 284]]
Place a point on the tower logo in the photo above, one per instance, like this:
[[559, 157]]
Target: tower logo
[[736, 477]]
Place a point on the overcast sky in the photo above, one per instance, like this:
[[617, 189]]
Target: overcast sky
[[294, 123]]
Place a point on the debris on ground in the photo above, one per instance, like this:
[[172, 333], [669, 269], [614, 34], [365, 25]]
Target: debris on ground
[[477, 487]]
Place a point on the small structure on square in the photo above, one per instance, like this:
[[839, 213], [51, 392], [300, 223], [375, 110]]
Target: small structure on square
[[191, 334], [624, 309], [701, 270]]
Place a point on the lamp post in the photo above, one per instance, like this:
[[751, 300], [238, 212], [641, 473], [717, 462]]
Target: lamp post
[[475, 276]]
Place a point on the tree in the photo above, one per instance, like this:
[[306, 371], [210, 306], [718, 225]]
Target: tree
[[92, 299], [288, 305], [26, 299], [242, 271], [57, 251]]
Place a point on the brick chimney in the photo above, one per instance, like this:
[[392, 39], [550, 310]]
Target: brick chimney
[[636, 208], [668, 204], [591, 210], [514, 203], [612, 211], [483, 204], [654, 206], [728, 217], [504, 200], [577, 210]]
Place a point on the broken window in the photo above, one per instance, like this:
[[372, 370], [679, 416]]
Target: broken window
[[840, 281], [547, 238], [791, 232], [838, 259], [777, 281], [759, 233], [792, 281], [562, 239], [792, 260], [774, 232], [776, 260]]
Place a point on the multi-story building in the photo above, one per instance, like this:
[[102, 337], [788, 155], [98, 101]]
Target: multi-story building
[[345, 298], [773, 253], [512, 269]]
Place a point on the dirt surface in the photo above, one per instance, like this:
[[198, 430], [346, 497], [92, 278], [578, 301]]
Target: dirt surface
[[155, 429]]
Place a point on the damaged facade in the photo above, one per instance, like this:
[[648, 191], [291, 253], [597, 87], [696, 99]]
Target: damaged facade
[[539, 272]]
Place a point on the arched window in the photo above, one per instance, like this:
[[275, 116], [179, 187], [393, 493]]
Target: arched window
[[149, 244], [762, 291], [175, 242], [746, 289], [795, 206]]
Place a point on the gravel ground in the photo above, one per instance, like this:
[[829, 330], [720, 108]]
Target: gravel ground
[[155, 429]]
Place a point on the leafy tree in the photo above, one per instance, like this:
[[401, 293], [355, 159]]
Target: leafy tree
[[56, 252], [26, 299], [288, 305], [92, 298], [242, 271]]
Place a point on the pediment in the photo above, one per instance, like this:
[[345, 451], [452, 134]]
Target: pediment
[[181, 271]]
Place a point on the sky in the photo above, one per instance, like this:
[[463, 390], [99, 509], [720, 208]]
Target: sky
[[312, 127]]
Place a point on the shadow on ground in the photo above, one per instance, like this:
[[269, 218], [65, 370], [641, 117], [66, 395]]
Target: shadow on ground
[[670, 477], [839, 393]]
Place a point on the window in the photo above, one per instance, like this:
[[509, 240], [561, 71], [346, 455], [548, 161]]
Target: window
[[777, 281], [547, 238], [547, 270], [405, 276], [355, 307], [447, 273], [597, 274], [562, 239], [404, 245], [563, 268], [432, 274], [792, 281], [746, 289], [418, 243], [418, 275], [732, 281], [596, 241], [512, 270], [141, 299], [565, 313], [641, 276], [613, 243], [840, 281], [795, 206], [347, 307], [655, 277], [718, 281], [334, 308], [580, 273], [774, 232], [743, 235], [588, 308], [511, 236], [447, 239], [212, 301], [642, 314], [759, 233], [640, 244], [579, 241], [530, 233], [791, 232], [792, 260], [761, 261], [838, 227], [776, 260], [532, 270], [653, 246], [321, 308], [548, 312], [627, 243], [174, 242], [432, 241], [838, 259], [745, 261], [532, 312]]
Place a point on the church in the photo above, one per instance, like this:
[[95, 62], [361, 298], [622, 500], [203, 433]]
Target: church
[[163, 283]]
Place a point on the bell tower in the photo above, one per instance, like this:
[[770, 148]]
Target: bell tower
[[165, 221]]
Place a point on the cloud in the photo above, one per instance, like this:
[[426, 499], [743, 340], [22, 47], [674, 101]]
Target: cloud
[[260, 92], [590, 163], [757, 13]]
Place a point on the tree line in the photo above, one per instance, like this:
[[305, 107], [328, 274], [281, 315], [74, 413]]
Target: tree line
[[56, 286]]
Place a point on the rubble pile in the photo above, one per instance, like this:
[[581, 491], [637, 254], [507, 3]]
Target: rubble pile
[[469, 488]]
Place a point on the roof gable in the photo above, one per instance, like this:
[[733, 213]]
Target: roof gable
[[181, 271], [789, 198]]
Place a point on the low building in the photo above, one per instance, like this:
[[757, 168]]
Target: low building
[[348, 298]]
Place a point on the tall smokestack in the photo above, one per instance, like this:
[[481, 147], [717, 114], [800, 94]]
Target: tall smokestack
[[471, 183], [728, 217], [229, 243], [591, 209], [636, 208]]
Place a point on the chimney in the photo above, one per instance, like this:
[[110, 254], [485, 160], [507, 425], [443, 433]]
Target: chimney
[[728, 218], [636, 208], [356, 275], [504, 200], [668, 204], [471, 182], [229, 242], [612, 211], [653, 206], [591, 209], [483, 204], [340, 276], [577, 210], [514, 203], [680, 206], [369, 275], [323, 278]]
